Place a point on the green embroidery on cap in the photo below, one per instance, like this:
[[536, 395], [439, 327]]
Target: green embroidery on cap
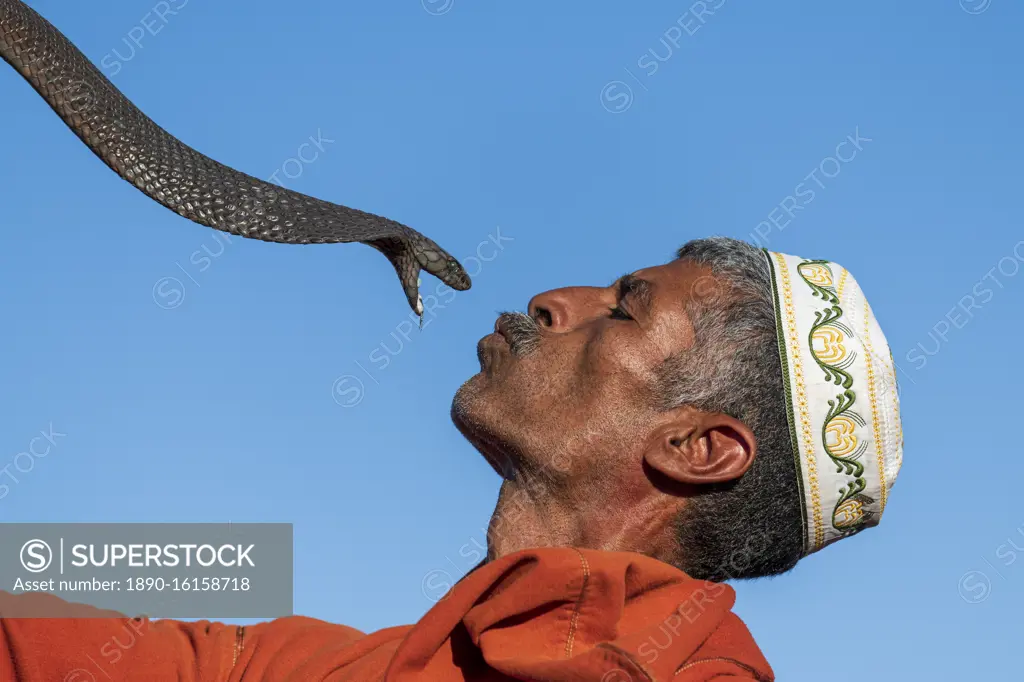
[[839, 432]]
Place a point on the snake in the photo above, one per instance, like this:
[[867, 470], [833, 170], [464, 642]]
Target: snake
[[191, 184]]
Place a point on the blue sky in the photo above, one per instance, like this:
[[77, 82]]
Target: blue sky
[[259, 382]]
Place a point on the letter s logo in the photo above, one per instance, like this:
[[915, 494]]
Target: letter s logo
[[36, 556]]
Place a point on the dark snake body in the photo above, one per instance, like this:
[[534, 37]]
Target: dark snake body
[[192, 184]]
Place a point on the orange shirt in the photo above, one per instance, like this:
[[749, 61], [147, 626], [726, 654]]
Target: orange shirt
[[543, 614]]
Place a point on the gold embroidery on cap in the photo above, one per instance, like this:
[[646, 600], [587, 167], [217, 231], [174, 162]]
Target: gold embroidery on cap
[[828, 345], [880, 456], [841, 435], [806, 431], [817, 273], [842, 282]]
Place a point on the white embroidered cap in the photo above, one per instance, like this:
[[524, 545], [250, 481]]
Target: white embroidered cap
[[844, 410]]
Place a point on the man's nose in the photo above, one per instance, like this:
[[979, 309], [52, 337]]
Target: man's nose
[[561, 310]]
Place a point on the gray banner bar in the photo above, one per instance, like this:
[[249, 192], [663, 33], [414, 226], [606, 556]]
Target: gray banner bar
[[161, 570]]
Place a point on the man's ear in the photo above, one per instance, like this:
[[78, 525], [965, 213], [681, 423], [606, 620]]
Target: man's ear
[[698, 448]]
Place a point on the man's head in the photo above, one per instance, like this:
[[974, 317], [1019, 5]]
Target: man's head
[[648, 416]]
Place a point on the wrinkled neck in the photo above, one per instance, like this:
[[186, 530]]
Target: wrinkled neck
[[528, 515], [531, 514]]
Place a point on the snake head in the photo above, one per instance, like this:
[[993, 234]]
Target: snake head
[[449, 271], [410, 254]]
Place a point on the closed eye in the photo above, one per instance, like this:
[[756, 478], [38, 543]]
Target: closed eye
[[620, 314], [634, 290]]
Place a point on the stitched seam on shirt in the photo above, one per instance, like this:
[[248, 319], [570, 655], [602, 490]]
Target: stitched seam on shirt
[[724, 659], [239, 644], [579, 603], [621, 652]]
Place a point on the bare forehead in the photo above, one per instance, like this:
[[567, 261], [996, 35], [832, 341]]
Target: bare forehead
[[676, 279]]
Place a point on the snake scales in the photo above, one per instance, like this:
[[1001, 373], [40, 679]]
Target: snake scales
[[192, 184]]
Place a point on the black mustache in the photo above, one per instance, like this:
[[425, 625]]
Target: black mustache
[[521, 331]]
